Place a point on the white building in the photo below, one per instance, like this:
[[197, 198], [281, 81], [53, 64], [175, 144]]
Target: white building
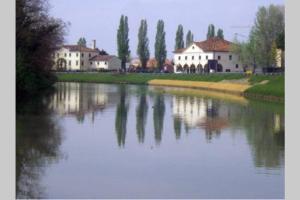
[[76, 57], [210, 55], [105, 62]]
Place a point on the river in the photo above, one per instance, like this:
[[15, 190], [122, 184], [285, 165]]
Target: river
[[129, 141]]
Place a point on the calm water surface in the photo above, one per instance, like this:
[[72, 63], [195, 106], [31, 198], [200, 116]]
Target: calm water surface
[[124, 141]]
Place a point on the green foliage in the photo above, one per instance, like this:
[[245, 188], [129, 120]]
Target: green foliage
[[220, 33], [189, 38], [269, 26], [143, 44], [179, 43], [82, 42], [37, 37], [123, 41], [160, 44], [210, 31]]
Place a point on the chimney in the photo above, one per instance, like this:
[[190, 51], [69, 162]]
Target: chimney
[[94, 44]]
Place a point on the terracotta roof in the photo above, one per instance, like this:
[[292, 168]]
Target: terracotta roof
[[102, 58], [214, 44], [211, 44], [79, 48]]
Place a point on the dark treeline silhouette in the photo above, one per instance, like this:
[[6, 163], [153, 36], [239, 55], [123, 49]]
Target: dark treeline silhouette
[[37, 37]]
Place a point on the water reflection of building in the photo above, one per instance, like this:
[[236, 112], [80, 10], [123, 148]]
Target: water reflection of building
[[81, 99], [199, 112]]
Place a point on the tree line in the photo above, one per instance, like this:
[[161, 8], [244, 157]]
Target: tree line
[[160, 43]]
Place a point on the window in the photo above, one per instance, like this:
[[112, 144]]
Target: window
[[81, 63], [230, 57], [105, 63], [82, 54], [192, 57], [91, 63], [179, 57], [219, 57], [65, 54], [193, 47], [69, 54], [186, 58], [76, 62], [76, 54], [227, 70], [199, 57], [98, 63], [69, 62], [206, 57], [236, 66], [89, 55]]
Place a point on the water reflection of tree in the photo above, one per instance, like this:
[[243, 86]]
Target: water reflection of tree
[[121, 116], [141, 114], [158, 116], [177, 126], [38, 139], [264, 135]]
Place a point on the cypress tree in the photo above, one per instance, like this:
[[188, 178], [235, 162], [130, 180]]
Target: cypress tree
[[160, 44], [179, 43], [82, 42], [123, 41], [143, 44]]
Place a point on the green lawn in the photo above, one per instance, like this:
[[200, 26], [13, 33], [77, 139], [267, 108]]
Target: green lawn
[[275, 86], [142, 78]]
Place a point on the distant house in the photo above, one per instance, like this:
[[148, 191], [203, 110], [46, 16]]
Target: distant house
[[210, 55], [106, 62], [76, 57]]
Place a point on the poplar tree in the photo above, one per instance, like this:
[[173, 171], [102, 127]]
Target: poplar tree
[[143, 44], [179, 43], [220, 34], [160, 44], [210, 31], [123, 41], [189, 38]]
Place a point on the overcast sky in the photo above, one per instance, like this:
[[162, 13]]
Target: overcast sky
[[99, 19]]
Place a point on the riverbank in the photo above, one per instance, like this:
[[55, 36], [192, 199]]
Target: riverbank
[[265, 87]]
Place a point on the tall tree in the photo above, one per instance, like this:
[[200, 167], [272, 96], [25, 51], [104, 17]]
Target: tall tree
[[269, 25], [189, 38], [160, 44], [123, 41], [220, 33], [143, 44], [82, 42], [37, 37], [210, 31], [179, 42]]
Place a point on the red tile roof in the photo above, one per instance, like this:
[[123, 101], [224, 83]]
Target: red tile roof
[[102, 58], [211, 44], [80, 48]]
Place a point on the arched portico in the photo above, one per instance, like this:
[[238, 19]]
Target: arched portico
[[193, 69], [179, 68], [61, 64], [199, 68], [186, 68]]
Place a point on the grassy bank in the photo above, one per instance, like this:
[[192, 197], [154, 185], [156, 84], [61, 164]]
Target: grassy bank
[[266, 87], [259, 86], [142, 78]]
